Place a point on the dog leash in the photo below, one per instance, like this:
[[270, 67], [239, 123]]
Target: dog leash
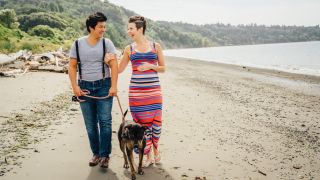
[[120, 108], [76, 98]]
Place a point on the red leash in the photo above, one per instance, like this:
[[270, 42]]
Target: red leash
[[93, 97], [102, 97]]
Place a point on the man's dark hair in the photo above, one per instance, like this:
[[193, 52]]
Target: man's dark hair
[[140, 22], [93, 20]]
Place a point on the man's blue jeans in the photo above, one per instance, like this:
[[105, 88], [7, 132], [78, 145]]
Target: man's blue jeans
[[97, 116]]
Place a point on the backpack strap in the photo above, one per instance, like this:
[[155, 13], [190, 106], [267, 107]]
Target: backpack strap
[[78, 60], [104, 52]]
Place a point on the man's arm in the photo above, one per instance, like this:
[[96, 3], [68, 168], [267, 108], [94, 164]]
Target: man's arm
[[72, 71]]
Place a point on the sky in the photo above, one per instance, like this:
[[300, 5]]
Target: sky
[[267, 12]]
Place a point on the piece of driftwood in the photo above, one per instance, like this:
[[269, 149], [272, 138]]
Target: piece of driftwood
[[24, 60], [14, 73], [5, 59], [52, 68], [33, 65]]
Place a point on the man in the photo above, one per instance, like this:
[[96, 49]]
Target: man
[[87, 54]]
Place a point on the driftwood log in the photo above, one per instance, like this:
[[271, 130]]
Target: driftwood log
[[19, 63]]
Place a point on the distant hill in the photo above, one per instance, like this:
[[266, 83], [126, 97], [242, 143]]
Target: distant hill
[[225, 34], [51, 23]]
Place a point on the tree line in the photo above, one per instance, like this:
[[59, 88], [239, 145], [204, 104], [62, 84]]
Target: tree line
[[60, 22]]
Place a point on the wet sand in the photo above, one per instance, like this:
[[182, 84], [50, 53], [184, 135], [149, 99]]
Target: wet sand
[[219, 122]]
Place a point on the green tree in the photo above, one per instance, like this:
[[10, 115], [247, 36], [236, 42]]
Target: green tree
[[42, 31], [51, 19], [8, 17]]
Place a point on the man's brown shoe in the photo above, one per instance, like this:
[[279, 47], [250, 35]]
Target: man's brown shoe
[[94, 161], [104, 162]]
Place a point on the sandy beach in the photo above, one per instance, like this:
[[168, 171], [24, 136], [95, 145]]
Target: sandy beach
[[219, 122]]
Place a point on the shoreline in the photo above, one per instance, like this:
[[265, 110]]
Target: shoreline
[[306, 83], [275, 72], [249, 44], [292, 58], [219, 121]]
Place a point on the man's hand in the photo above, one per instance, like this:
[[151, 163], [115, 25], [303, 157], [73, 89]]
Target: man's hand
[[113, 91], [77, 91]]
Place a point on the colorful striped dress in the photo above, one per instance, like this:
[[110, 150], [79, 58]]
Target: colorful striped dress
[[145, 96]]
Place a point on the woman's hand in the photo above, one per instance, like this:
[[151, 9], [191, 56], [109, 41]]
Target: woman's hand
[[108, 57], [145, 66]]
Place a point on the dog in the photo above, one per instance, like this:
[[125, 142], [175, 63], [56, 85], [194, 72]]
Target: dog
[[131, 138]]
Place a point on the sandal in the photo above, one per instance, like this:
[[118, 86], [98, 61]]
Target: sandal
[[157, 158], [147, 163]]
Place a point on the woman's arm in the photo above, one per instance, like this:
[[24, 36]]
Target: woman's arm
[[113, 64], [161, 65], [124, 60]]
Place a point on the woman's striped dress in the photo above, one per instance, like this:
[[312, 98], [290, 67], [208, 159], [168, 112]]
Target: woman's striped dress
[[145, 97]]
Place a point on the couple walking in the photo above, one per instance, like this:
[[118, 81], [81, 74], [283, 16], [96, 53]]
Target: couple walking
[[93, 56]]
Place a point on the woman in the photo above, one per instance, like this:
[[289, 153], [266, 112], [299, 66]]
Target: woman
[[145, 97]]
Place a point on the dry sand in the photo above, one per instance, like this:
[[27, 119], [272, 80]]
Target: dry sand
[[219, 122]]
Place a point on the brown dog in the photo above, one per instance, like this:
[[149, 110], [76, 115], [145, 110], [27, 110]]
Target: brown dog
[[131, 138]]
